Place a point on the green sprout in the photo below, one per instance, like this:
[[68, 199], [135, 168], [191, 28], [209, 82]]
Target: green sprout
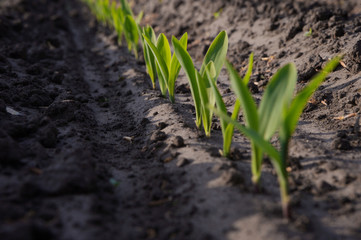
[[150, 62], [201, 90], [227, 127], [132, 31], [216, 14], [131, 34], [121, 18], [118, 21], [167, 66], [278, 110], [308, 33]]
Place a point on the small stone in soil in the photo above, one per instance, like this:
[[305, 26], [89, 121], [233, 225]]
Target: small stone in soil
[[302, 223], [341, 144], [182, 89], [232, 177], [49, 136], [158, 136], [339, 31], [178, 142], [236, 155], [183, 162], [324, 187], [331, 166], [214, 152], [349, 179], [144, 122], [222, 166], [162, 125], [129, 93]]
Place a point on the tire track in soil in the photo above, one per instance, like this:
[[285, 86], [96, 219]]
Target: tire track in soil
[[140, 204]]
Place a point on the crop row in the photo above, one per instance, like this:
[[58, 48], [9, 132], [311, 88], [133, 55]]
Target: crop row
[[277, 114]]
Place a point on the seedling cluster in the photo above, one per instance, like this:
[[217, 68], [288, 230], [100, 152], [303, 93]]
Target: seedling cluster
[[277, 114]]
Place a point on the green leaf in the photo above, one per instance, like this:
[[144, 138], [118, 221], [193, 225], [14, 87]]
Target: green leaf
[[228, 133], [126, 8], [139, 18], [164, 49], [300, 101], [211, 75], [188, 66], [278, 94], [244, 96], [201, 81], [175, 68], [247, 77], [253, 135], [131, 33], [220, 103], [148, 55], [216, 53], [158, 57], [118, 21]]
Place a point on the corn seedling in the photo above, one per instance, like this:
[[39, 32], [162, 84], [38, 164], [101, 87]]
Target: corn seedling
[[121, 18], [277, 111], [118, 21], [228, 128], [167, 66], [150, 62], [201, 90], [131, 34], [132, 30]]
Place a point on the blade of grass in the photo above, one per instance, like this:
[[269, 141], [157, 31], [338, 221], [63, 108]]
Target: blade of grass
[[126, 8], [227, 138], [278, 93], [188, 66], [250, 114], [165, 53], [300, 101], [252, 134], [148, 55], [131, 34], [204, 102], [175, 68], [158, 57], [245, 97], [216, 53]]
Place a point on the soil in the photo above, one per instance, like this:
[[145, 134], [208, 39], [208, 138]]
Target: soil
[[89, 151]]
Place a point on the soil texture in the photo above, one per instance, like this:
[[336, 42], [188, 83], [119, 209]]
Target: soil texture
[[89, 151]]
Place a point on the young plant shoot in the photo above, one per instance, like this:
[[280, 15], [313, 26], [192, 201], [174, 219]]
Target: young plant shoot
[[118, 21], [121, 18], [167, 66], [131, 34], [201, 90], [278, 110], [228, 128], [149, 59]]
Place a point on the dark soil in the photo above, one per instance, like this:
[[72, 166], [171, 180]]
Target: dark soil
[[89, 151]]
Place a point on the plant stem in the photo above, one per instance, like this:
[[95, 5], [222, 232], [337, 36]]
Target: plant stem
[[256, 164], [225, 149], [285, 198], [283, 179]]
